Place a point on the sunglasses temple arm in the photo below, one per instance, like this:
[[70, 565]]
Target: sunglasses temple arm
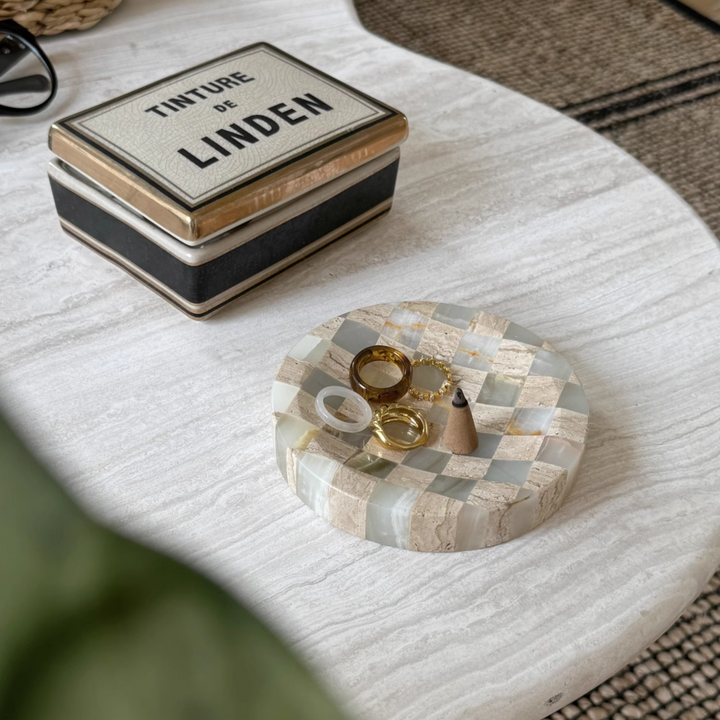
[[31, 83]]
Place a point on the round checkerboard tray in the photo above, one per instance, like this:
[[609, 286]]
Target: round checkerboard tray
[[530, 414]]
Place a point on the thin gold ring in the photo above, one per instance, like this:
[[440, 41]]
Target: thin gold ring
[[380, 353], [427, 394], [399, 413]]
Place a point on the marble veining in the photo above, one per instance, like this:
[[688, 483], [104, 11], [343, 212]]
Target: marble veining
[[160, 426]]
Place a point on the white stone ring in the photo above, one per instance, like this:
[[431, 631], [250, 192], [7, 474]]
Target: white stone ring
[[343, 392]]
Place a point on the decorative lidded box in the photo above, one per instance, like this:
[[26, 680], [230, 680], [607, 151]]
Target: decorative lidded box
[[206, 183]]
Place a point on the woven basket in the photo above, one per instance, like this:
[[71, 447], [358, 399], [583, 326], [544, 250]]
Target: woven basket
[[50, 17]]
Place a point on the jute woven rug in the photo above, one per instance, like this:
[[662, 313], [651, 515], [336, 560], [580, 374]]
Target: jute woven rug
[[645, 74]]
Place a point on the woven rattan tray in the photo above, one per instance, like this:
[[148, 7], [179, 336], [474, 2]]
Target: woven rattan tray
[[50, 17]]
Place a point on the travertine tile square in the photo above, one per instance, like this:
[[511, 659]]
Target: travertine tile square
[[335, 361], [523, 512], [303, 406], [421, 307], [328, 329], [514, 359], [496, 500], [410, 477], [491, 495], [488, 324], [540, 391], [568, 424], [470, 381], [519, 447], [347, 500], [434, 523], [491, 419], [543, 474], [294, 372], [467, 466], [374, 316], [440, 340], [549, 483]]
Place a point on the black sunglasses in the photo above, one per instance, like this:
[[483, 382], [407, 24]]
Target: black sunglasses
[[31, 83]]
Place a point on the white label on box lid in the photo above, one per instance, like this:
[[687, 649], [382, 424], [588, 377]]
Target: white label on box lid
[[204, 132]]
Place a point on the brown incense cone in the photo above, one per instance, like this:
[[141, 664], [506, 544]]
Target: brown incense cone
[[460, 436]]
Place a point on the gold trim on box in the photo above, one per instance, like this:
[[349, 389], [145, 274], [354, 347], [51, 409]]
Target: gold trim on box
[[235, 207]]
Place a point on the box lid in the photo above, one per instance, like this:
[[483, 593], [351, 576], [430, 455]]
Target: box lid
[[209, 148]]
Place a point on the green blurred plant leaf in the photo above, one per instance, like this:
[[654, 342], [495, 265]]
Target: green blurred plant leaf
[[96, 627]]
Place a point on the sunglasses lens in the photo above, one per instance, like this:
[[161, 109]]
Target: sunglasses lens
[[24, 81]]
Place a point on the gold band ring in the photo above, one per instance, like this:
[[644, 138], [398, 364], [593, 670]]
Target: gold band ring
[[380, 353], [427, 394], [399, 413]]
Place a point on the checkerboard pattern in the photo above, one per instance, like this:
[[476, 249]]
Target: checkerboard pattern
[[530, 414]]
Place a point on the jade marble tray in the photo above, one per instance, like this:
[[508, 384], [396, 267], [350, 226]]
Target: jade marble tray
[[530, 412]]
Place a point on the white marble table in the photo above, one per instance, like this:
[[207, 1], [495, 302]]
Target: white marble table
[[161, 426]]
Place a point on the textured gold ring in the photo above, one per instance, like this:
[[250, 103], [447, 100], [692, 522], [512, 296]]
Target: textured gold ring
[[380, 353], [399, 413], [421, 394]]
